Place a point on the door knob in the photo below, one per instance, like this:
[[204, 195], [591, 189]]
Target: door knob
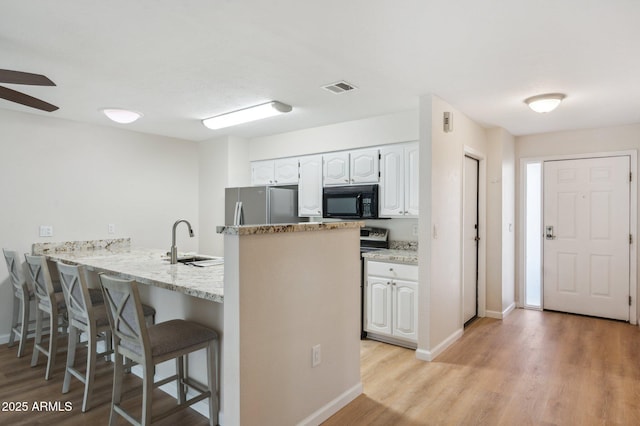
[[549, 233]]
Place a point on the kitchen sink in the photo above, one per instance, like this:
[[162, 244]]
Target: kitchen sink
[[200, 260]]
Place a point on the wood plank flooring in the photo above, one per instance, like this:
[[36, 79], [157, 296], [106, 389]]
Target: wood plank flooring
[[532, 368], [19, 383]]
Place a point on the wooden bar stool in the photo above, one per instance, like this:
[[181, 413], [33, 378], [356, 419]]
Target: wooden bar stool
[[84, 316], [47, 302], [23, 298], [151, 345]]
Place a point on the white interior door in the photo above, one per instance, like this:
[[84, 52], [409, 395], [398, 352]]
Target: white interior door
[[586, 236], [470, 239]]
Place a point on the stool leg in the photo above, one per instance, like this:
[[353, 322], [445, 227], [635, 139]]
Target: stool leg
[[71, 357], [53, 344], [91, 369], [147, 393], [118, 373], [14, 321], [212, 381], [180, 380], [38, 339], [24, 326]]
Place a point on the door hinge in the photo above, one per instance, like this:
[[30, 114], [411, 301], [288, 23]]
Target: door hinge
[[629, 300], [630, 176], [630, 239]]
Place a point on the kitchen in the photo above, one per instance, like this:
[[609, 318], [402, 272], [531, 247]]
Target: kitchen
[[80, 177]]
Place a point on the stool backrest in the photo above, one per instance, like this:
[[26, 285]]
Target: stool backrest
[[13, 266], [41, 278], [124, 310], [76, 293]]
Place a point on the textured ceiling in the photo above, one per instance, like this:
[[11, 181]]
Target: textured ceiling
[[180, 61]]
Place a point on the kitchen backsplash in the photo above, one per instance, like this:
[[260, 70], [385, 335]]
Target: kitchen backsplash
[[64, 246], [403, 245]]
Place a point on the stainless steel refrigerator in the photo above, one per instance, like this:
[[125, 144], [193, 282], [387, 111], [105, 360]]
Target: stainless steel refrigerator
[[257, 205]]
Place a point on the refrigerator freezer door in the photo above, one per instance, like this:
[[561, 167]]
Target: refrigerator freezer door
[[230, 200], [254, 205]]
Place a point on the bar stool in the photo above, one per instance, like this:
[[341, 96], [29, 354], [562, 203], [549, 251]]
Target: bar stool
[[152, 345], [23, 298], [85, 317], [47, 302]]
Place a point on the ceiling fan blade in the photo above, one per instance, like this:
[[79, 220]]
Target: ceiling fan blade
[[21, 98], [19, 77]]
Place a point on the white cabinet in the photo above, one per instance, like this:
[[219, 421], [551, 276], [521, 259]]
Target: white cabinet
[[283, 171], [310, 186], [391, 301], [399, 180], [351, 167], [262, 173]]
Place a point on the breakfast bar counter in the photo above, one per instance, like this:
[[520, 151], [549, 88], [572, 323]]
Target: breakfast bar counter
[[150, 267]]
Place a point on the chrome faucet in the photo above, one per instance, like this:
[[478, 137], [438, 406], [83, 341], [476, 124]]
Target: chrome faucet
[[174, 249]]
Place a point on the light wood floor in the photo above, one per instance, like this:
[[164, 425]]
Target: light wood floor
[[532, 368]]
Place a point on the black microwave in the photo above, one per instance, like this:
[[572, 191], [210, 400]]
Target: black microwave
[[350, 202]]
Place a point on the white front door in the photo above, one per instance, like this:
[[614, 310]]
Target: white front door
[[586, 236], [470, 238]]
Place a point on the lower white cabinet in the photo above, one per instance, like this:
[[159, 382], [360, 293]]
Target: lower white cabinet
[[391, 301]]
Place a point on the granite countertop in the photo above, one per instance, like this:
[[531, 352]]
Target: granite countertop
[[393, 255], [286, 227], [151, 267]]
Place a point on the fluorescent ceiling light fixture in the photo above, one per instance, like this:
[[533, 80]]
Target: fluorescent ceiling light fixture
[[121, 116], [545, 103], [245, 115]]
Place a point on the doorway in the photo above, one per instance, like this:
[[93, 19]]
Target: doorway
[[578, 254], [470, 238]]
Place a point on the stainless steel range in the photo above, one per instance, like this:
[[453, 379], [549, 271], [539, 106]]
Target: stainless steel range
[[370, 239]]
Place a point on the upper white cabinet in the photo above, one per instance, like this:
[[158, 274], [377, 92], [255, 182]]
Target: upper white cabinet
[[399, 180], [283, 171], [344, 168], [310, 186]]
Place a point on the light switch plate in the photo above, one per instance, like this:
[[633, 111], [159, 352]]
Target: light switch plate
[[111, 228]]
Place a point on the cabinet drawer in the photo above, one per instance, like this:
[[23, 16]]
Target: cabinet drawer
[[392, 270]]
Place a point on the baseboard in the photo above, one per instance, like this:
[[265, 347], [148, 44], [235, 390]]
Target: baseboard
[[426, 355], [4, 338], [503, 314], [332, 407]]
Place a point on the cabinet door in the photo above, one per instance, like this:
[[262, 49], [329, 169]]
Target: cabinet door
[[364, 165], [336, 168], [411, 179], [391, 196], [378, 302], [405, 309], [310, 186], [262, 172], [285, 171]]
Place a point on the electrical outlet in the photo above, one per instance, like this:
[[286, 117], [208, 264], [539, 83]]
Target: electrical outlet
[[414, 230], [315, 356], [46, 231], [111, 228]]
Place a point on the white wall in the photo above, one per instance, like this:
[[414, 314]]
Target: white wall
[[223, 162], [440, 307], [601, 140], [380, 130], [79, 178], [500, 222]]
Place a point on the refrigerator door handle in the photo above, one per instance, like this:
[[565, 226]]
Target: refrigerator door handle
[[237, 216]]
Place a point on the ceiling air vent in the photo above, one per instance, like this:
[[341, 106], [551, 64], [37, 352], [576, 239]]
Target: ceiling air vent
[[339, 87]]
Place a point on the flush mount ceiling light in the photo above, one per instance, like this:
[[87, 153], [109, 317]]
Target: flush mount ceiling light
[[245, 115], [545, 103], [122, 116]]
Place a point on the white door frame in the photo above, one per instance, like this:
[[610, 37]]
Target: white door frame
[[482, 232], [633, 222]]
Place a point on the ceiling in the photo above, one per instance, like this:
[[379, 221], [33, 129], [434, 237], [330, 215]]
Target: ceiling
[[178, 62]]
